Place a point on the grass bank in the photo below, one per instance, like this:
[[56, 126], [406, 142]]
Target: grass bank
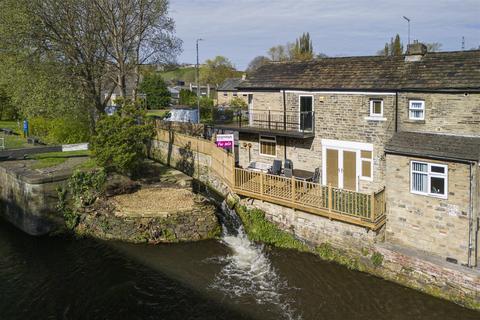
[[53, 159], [16, 140]]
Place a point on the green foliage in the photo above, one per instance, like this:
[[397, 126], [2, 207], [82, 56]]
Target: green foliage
[[60, 130], [394, 48], [120, 140], [260, 229], [327, 252], [86, 186], [237, 102], [377, 259], [187, 98], [216, 70], [70, 216], [7, 108], [303, 49], [184, 74], [51, 159], [156, 90]]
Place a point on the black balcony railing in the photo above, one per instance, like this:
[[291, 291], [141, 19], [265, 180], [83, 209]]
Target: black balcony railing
[[292, 121]]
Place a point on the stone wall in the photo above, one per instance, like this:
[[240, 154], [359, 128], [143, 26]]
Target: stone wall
[[316, 230], [224, 97], [29, 202], [434, 225], [454, 113]]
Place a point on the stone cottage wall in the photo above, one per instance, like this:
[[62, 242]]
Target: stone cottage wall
[[337, 117], [438, 226], [457, 113]]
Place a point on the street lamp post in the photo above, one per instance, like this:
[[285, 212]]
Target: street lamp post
[[197, 76], [408, 21]]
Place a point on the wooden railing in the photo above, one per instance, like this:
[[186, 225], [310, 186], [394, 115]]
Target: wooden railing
[[354, 207]]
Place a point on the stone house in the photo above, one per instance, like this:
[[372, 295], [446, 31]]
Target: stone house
[[228, 90], [408, 124]]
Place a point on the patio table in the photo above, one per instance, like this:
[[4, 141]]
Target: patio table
[[304, 175]]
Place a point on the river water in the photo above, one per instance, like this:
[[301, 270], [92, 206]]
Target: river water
[[65, 278]]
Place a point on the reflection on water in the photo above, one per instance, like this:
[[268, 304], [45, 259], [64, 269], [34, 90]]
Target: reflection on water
[[58, 278]]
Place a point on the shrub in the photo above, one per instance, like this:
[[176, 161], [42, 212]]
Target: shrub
[[85, 187], [120, 140], [156, 91], [60, 130], [237, 102], [377, 259]]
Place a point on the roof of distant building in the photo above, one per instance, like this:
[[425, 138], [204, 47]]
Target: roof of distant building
[[230, 84]]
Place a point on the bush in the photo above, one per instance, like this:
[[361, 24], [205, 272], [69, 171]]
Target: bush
[[120, 140], [238, 103], [60, 130]]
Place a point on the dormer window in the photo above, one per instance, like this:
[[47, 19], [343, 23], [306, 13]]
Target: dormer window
[[416, 109], [376, 108]]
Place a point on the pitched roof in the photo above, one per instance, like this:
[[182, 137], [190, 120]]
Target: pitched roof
[[458, 70], [230, 84], [431, 145]]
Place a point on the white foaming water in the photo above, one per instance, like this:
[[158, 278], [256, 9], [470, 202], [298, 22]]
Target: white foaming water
[[247, 272], [183, 115]]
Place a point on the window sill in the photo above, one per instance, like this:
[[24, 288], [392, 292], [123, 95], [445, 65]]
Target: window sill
[[415, 121], [375, 119], [431, 195]]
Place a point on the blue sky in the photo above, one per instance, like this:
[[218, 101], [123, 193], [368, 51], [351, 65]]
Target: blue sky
[[243, 29]]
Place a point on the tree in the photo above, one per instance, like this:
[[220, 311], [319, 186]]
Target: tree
[[433, 46], [237, 102], [156, 91], [187, 98], [136, 32], [216, 70], [303, 49], [120, 141], [256, 63], [394, 48]]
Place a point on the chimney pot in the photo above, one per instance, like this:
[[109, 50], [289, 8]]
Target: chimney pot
[[416, 48]]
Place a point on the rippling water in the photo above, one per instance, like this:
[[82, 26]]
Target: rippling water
[[62, 278]]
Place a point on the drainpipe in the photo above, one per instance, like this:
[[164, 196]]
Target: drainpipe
[[471, 223], [284, 126], [396, 111]]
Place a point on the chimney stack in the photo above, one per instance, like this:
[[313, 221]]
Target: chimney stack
[[415, 51]]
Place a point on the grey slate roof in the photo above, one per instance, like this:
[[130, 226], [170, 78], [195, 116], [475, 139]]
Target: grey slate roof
[[230, 84], [458, 70], [438, 146]]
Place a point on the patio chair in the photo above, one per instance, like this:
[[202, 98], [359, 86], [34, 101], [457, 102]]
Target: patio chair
[[288, 164], [276, 167], [316, 176], [288, 172]]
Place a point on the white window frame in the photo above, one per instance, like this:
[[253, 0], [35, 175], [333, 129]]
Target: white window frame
[[410, 103], [342, 145], [376, 115], [430, 175], [266, 140], [362, 177]]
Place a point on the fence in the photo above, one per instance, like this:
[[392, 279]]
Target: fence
[[349, 206], [222, 162]]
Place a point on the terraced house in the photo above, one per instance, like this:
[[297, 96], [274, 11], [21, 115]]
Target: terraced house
[[389, 143]]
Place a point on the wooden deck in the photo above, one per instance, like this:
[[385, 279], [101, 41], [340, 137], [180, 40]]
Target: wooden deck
[[367, 210]]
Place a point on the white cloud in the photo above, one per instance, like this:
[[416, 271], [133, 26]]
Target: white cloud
[[243, 29]]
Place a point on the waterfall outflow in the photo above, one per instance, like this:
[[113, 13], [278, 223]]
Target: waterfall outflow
[[183, 115], [247, 272]]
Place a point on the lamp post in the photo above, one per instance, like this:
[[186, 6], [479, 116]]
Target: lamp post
[[408, 21], [197, 76]]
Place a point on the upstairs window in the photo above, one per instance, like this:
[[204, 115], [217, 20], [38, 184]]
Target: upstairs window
[[429, 179], [416, 110], [268, 146], [376, 108], [225, 94]]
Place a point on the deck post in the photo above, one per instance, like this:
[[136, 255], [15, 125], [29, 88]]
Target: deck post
[[293, 189], [330, 198], [372, 207], [261, 183]]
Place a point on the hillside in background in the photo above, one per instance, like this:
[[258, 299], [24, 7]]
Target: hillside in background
[[184, 74]]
